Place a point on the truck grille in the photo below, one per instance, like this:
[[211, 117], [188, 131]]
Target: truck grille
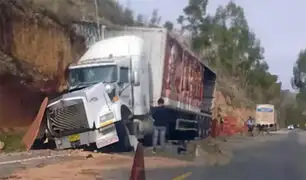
[[67, 120]]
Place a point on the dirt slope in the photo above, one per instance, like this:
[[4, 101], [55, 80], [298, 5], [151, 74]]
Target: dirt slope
[[234, 117], [34, 53]]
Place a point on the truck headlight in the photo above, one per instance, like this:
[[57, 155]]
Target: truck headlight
[[107, 117]]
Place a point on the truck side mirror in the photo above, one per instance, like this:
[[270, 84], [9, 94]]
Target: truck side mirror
[[135, 78]]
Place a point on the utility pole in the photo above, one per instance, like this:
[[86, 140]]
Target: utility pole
[[97, 19]]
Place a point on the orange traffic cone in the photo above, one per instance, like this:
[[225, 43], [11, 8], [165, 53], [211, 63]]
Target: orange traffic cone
[[138, 169], [29, 137]]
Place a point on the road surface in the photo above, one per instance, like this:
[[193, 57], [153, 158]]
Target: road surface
[[279, 156], [283, 157]]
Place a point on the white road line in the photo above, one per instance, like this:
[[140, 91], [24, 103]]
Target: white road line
[[30, 159]]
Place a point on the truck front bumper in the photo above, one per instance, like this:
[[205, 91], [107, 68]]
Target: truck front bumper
[[101, 137]]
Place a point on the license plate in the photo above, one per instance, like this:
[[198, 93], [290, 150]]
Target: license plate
[[107, 141], [106, 123], [73, 138]]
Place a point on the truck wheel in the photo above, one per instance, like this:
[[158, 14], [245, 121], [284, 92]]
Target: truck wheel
[[149, 129], [148, 140], [123, 134], [39, 144]]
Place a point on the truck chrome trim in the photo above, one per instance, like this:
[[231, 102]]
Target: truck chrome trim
[[67, 120]]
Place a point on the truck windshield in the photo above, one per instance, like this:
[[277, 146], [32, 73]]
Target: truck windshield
[[91, 75]]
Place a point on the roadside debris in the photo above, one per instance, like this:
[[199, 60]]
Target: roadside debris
[[100, 165], [89, 156], [2, 145]]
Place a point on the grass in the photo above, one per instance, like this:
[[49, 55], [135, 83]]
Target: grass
[[12, 142]]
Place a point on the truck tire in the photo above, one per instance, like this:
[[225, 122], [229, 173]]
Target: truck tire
[[148, 140], [123, 134], [148, 129], [39, 144]]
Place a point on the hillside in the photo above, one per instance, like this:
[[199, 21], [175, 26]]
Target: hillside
[[34, 52], [289, 98]]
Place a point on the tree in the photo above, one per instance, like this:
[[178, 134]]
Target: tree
[[168, 25], [298, 81], [196, 21], [155, 19], [140, 20], [128, 17], [236, 51]]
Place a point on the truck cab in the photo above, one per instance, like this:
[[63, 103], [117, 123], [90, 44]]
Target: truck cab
[[124, 54]]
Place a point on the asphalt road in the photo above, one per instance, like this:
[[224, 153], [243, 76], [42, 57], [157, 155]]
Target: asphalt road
[[282, 158]]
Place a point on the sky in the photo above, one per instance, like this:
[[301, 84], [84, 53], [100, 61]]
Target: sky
[[278, 24]]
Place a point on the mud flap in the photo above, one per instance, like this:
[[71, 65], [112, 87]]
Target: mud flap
[[29, 138]]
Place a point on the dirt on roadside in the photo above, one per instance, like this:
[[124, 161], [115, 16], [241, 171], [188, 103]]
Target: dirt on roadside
[[78, 164], [87, 165]]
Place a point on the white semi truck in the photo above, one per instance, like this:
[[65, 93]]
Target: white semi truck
[[117, 82]]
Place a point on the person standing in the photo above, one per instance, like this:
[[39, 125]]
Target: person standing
[[160, 116], [250, 124], [221, 122]]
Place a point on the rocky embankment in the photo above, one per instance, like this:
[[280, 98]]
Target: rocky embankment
[[34, 53], [225, 107]]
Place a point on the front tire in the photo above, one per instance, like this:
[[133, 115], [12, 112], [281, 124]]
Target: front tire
[[123, 134], [148, 140], [39, 144]]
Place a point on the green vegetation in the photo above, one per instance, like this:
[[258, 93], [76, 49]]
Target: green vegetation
[[12, 142], [297, 110], [226, 41]]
